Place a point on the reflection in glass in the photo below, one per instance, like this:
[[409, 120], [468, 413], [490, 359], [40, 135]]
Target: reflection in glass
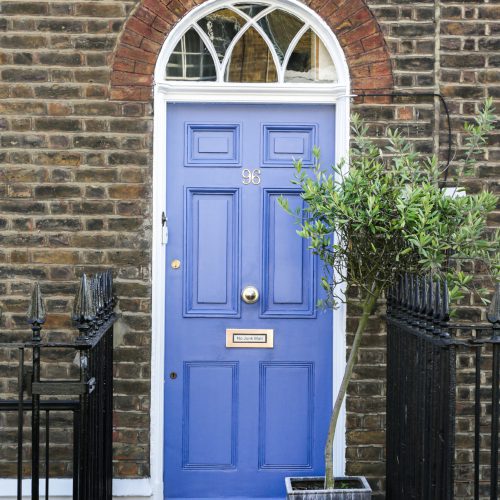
[[250, 9], [310, 61], [191, 60], [251, 60], [280, 27], [221, 27]]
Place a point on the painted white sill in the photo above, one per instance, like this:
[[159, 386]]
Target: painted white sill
[[62, 489]]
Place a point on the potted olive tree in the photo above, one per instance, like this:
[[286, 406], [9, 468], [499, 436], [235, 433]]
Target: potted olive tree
[[384, 215]]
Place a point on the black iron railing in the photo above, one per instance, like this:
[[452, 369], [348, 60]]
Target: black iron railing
[[87, 396], [442, 397]]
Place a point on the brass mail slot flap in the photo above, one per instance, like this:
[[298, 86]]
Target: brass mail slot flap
[[250, 338]]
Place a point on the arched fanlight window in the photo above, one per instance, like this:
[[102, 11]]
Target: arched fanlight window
[[251, 43]]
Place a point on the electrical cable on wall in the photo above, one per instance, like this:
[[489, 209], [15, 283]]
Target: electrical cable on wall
[[422, 94]]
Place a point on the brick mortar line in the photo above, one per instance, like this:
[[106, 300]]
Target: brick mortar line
[[124, 3], [67, 249], [50, 50], [57, 67], [51, 67], [404, 22], [103, 134], [74, 2], [59, 264], [44, 134], [414, 72], [63, 100], [113, 118], [55, 50], [47, 34], [117, 280], [53, 232], [65, 183], [472, 37], [59, 132], [55, 86], [35, 166], [59, 17], [400, 7]]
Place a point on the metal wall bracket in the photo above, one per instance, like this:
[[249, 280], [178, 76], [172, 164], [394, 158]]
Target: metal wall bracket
[[63, 388]]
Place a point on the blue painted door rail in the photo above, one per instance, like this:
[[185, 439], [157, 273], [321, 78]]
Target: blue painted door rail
[[238, 420]]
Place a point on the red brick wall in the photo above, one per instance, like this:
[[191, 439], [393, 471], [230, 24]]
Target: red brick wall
[[355, 26]]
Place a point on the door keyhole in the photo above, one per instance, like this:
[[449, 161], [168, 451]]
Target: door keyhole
[[173, 375]]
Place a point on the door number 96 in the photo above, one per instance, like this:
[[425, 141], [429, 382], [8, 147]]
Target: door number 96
[[251, 176]]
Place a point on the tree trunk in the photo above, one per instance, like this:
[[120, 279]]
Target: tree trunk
[[368, 306]]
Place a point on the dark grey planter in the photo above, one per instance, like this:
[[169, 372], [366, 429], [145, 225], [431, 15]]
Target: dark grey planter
[[363, 492]]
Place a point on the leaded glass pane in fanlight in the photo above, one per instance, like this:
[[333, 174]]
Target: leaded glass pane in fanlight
[[310, 61], [250, 9], [281, 28], [221, 27], [251, 60], [191, 60]]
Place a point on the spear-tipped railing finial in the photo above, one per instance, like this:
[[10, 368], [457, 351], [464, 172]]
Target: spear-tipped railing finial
[[445, 311], [429, 303], [399, 294], [102, 293], [430, 298], [416, 298], [411, 294], [107, 291], [423, 297], [438, 304], [389, 299], [493, 314], [84, 308], [405, 295], [112, 298], [36, 312], [96, 286]]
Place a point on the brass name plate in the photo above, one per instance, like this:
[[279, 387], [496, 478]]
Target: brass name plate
[[250, 338]]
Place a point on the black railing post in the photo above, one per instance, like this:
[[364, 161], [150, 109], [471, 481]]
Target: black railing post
[[109, 304], [444, 317], [83, 309], [429, 310], [436, 316], [36, 317], [20, 423], [494, 318], [477, 419]]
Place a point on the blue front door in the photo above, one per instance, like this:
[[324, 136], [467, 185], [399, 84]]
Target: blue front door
[[238, 420]]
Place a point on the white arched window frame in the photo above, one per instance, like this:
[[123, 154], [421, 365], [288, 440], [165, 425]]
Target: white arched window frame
[[171, 91], [219, 90]]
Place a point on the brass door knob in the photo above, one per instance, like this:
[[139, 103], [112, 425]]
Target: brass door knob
[[250, 295]]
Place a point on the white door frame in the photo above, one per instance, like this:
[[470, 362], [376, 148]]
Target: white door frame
[[170, 91]]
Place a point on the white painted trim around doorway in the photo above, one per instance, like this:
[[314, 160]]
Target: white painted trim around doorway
[[168, 91]]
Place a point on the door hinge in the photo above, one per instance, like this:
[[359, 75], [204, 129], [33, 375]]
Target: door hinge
[[164, 229]]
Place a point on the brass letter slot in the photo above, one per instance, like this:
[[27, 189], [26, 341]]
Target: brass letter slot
[[249, 338]]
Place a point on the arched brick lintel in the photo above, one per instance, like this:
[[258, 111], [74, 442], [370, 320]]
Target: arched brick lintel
[[148, 26]]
